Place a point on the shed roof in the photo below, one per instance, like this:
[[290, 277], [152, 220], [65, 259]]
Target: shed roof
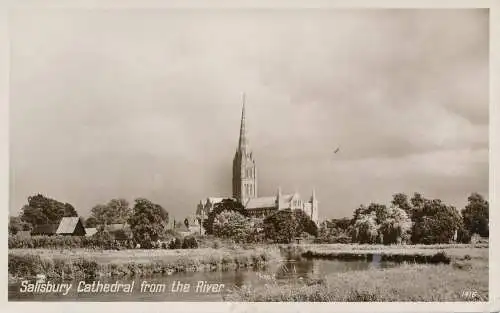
[[68, 225], [90, 231]]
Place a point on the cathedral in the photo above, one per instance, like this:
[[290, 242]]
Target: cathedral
[[245, 187]]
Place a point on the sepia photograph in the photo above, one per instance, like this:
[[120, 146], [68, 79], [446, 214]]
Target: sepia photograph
[[249, 155]]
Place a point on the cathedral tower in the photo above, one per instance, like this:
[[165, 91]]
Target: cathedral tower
[[244, 170]]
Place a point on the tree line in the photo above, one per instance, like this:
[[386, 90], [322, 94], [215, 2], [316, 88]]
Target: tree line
[[148, 221], [415, 220], [230, 220]]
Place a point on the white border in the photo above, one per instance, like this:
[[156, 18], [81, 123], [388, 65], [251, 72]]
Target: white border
[[208, 307]]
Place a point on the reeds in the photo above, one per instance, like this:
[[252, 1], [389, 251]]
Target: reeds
[[409, 282], [25, 264]]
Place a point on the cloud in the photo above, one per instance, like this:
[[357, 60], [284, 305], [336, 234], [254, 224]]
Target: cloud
[[147, 103]]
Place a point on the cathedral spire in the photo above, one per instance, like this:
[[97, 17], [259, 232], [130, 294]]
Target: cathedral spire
[[243, 143]]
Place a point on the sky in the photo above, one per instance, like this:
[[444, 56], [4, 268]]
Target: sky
[[147, 103]]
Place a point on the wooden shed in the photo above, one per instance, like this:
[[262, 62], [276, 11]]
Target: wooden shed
[[89, 232], [44, 230]]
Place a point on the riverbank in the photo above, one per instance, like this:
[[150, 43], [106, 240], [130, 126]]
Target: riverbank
[[80, 263], [453, 250], [431, 254], [462, 277]]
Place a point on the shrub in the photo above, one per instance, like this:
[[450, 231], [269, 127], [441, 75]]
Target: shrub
[[24, 265], [440, 257], [464, 235], [233, 225], [217, 244], [285, 225], [85, 267], [362, 296], [101, 240], [189, 243], [175, 244]]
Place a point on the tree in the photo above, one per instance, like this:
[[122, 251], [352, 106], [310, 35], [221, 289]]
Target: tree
[[305, 221], [116, 211], [33, 216], [340, 224], [367, 222], [476, 215], [119, 210], [44, 210], [365, 228], [396, 228], [257, 230], [148, 222], [232, 225], [16, 225], [380, 211], [401, 200], [69, 210], [99, 213], [335, 231], [91, 222], [224, 205], [417, 200], [435, 222], [284, 225]]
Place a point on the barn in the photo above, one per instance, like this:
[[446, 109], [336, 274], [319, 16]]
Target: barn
[[71, 226]]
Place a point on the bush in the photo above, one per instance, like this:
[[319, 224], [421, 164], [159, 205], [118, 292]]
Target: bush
[[24, 265], [86, 268], [217, 244], [101, 240], [175, 244], [189, 243], [232, 225], [464, 236], [285, 225]]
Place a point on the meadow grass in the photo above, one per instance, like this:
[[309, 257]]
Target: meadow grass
[[452, 250], [467, 271], [24, 263], [410, 282]]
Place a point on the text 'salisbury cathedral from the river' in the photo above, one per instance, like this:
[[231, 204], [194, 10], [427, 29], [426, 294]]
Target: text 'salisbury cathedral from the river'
[[245, 187]]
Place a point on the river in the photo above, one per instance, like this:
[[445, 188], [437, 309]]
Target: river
[[224, 280]]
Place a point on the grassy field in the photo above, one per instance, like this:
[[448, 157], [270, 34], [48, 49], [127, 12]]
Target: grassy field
[[451, 249], [74, 263], [464, 279], [467, 270]]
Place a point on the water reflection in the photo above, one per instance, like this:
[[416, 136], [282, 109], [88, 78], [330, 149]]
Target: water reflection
[[239, 278]]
